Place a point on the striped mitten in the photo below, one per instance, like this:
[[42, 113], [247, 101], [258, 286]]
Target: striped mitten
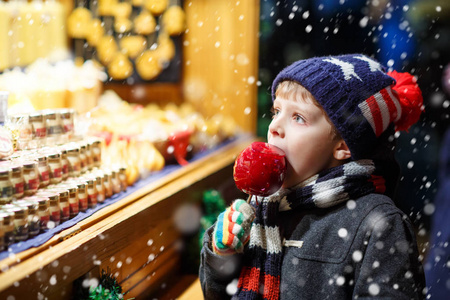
[[232, 229]]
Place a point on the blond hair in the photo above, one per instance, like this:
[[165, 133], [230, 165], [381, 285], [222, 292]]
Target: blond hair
[[293, 90]]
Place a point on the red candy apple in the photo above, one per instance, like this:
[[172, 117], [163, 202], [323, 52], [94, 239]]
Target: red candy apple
[[260, 169]]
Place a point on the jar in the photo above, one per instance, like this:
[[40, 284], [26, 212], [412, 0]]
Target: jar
[[73, 199], [53, 123], [82, 196], [6, 186], [107, 184], [54, 163], [17, 180], [31, 177], [67, 120], [64, 164], [73, 156], [21, 127], [55, 210], [115, 182], [89, 159], [123, 178], [43, 211], [2, 235], [63, 203], [8, 227], [91, 192], [83, 158], [96, 152], [20, 221], [39, 128], [33, 216], [100, 187], [44, 170]]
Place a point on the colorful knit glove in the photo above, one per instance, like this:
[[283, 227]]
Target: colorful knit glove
[[232, 229]]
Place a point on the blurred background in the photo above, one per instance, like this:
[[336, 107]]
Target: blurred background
[[159, 82], [406, 36]]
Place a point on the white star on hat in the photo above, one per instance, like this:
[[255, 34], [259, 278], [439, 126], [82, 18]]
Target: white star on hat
[[347, 68], [373, 65]]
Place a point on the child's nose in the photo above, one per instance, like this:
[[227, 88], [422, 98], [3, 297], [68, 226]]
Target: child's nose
[[275, 129]]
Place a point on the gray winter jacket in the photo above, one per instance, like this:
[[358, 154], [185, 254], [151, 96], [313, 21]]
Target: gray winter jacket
[[357, 250]]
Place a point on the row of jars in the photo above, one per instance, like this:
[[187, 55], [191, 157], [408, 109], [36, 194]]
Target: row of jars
[[28, 170], [48, 207], [42, 128]]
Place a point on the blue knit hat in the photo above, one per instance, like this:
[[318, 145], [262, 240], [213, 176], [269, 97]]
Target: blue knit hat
[[359, 97]]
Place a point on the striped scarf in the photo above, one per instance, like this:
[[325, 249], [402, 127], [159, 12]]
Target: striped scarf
[[261, 273]]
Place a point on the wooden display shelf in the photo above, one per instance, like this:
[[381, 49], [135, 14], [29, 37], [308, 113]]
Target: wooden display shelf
[[135, 237]]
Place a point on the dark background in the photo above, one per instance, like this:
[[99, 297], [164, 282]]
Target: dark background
[[408, 36]]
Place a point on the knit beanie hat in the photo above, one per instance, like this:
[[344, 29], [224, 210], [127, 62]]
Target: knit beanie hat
[[359, 97]]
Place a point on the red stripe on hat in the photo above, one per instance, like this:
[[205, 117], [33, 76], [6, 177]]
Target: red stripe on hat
[[249, 279], [376, 115], [390, 104], [271, 287]]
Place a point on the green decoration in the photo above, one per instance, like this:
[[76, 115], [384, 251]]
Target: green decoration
[[107, 289], [213, 205]]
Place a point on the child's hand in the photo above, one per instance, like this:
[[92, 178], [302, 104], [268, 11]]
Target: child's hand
[[232, 229]]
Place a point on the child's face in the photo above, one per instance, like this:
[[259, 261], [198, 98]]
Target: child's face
[[301, 129]]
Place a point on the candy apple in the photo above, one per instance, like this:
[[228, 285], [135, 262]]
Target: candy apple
[[260, 169]]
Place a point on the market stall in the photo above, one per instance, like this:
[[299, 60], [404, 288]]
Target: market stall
[[118, 137]]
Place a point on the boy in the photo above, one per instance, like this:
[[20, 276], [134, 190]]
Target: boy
[[332, 231]]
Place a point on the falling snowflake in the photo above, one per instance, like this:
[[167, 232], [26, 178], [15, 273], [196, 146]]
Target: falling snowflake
[[231, 288], [357, 256], [340, 280], [363, 22], [351, 204], [374, 289], [53, 280], [342, 233]]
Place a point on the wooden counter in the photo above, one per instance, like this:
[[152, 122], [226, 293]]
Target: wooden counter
[[135, 237]]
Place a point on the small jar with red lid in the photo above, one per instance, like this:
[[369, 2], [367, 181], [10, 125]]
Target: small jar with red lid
[[64, 164], [91, 191], [17, 180], [20, 221], [54, 163], [33, 216], [54, 208], [74, 204], [31, 177], [44, 170], [83, 157], [6, 186], [82, 195], [43, 210], [96, 152], [63, 202], [73, 156], [8, 227]]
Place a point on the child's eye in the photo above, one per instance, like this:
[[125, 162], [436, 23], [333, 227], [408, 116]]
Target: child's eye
[[299, 119], [274, 112]]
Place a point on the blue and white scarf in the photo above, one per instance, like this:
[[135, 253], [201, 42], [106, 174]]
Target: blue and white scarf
[[260, 276]]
